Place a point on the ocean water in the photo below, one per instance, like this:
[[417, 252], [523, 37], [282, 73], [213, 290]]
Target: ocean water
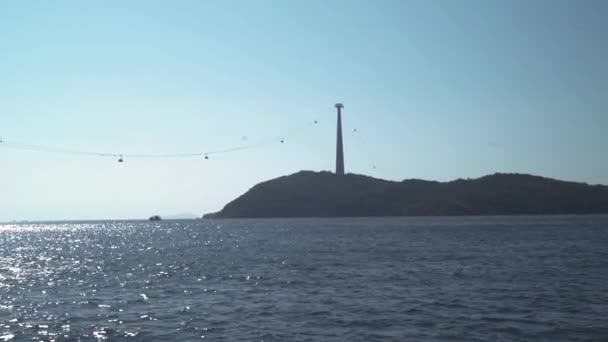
[[541, 278]]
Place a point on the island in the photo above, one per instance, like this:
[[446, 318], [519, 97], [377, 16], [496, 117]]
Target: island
[[325, 194], [155, 218]]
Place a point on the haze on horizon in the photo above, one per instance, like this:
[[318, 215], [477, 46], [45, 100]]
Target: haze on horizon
[[436, 90]]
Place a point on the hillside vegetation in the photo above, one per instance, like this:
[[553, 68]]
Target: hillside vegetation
[[323, 194]]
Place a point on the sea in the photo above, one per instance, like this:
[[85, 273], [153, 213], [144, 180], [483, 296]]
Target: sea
[[518, 278]]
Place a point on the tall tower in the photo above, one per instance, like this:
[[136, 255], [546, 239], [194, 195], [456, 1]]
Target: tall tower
[[339, 146]]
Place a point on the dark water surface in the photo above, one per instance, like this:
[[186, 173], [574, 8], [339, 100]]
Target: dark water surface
[[386, 279]]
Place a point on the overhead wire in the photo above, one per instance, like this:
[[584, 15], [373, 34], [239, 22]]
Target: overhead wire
[[68, 151], [363, 146], [291, 133], [50, 149]]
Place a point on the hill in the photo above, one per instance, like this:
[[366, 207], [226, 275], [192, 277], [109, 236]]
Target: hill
[[324, 194]]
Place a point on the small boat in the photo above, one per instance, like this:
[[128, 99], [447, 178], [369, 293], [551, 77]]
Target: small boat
[[155, 218]]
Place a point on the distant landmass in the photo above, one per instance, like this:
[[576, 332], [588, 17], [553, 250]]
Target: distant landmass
[[324, 194], [181, 216]]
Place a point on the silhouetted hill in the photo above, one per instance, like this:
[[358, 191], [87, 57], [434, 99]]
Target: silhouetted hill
[[323, 194]]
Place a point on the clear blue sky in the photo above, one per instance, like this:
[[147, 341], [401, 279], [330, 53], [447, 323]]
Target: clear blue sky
[[437, 90]]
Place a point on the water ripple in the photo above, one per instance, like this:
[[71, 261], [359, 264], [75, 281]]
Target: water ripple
[[461, 279]]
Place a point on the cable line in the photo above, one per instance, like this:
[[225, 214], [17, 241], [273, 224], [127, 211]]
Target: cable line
[[122, 156]]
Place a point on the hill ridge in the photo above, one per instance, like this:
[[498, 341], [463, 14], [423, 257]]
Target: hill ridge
[[324, 194]]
